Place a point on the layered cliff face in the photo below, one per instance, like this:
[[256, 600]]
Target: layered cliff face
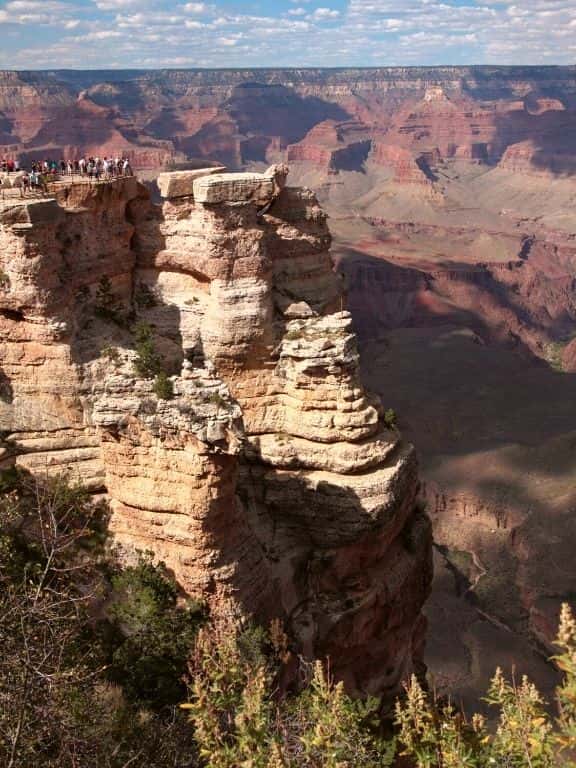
[[245, 116], [268, 482]]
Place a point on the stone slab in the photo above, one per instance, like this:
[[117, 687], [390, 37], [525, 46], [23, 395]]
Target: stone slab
[[181, 183], [234, 188]]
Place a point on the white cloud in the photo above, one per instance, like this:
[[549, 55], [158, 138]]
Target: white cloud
[[187, 33], [325, 13], [196, 8], [37, 12], [118, 5]]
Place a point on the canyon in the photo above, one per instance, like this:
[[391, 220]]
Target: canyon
[[450, 194]]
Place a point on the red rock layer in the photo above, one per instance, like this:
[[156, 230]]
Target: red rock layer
[[246, 116]]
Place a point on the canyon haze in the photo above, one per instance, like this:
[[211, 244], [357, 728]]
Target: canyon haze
[[451, 194]]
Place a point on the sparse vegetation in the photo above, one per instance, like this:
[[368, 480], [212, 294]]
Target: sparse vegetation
[[111, 353], [82, 294], [295, 334], [390, 418], [145, 297], [436, 735], [216, 399], [163, 387], [148, 363], [554, 355], [4, 280], [107, 306], [148, 406], [240, 720], [95, 658], [153, 634], [82, 685]]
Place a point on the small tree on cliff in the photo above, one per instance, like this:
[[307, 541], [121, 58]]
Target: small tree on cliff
[[148, 362]]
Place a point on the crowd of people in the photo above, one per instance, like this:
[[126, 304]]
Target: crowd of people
[[40, 172]]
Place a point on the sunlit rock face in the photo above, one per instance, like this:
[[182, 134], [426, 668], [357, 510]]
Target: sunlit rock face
[[268, 480]]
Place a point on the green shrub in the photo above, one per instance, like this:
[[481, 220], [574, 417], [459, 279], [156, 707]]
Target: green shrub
[[240, 720], [152, 634], [144, 297], [163, 387], [82, 294], [295, 334], [148, 362], [437, 735], [390, 419], [216, 399]]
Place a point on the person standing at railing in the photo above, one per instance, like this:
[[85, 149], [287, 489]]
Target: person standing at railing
[[24, 185]]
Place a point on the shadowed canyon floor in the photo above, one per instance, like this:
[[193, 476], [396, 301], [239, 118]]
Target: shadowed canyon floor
[[465, 305]]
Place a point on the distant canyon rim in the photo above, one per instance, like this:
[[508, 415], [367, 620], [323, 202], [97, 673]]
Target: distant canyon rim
[[451, 197]]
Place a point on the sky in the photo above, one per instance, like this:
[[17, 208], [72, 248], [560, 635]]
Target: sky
[[95, 34]]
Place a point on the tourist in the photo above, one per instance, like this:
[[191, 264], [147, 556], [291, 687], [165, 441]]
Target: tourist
[[24, 185]]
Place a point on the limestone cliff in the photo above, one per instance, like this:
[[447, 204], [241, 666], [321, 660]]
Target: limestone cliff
[[269, 481]]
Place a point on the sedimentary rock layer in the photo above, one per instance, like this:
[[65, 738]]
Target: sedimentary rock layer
[[265, 475], [239, 117]]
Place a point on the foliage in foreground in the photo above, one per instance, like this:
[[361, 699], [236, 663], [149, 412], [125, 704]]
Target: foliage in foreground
[[95, 660], [92, 661], [240, 717], [525, 736]]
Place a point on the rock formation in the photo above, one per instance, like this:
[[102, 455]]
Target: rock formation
[[245, 116], [333, 147], [406, 167], [266, 478]]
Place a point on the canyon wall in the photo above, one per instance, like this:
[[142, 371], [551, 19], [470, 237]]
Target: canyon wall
[[267, 479], [486, 114]]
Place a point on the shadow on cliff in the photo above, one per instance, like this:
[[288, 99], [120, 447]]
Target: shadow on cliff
[[383, 296], [353, 578], [108, 316], [253, 118], [552, 135]]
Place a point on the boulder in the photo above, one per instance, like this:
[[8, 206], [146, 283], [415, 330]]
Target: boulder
[[181, 183], [235, 188]]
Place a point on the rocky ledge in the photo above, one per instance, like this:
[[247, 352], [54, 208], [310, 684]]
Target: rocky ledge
[[261, 470]]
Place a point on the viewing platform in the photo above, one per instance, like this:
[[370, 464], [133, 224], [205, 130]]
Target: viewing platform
[[71, 192], [206, 186]]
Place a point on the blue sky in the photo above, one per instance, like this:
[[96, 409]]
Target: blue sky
[[88, 34]]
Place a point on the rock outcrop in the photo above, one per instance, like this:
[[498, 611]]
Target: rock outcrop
[[332, 147], [406, 167], [264, 475]]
